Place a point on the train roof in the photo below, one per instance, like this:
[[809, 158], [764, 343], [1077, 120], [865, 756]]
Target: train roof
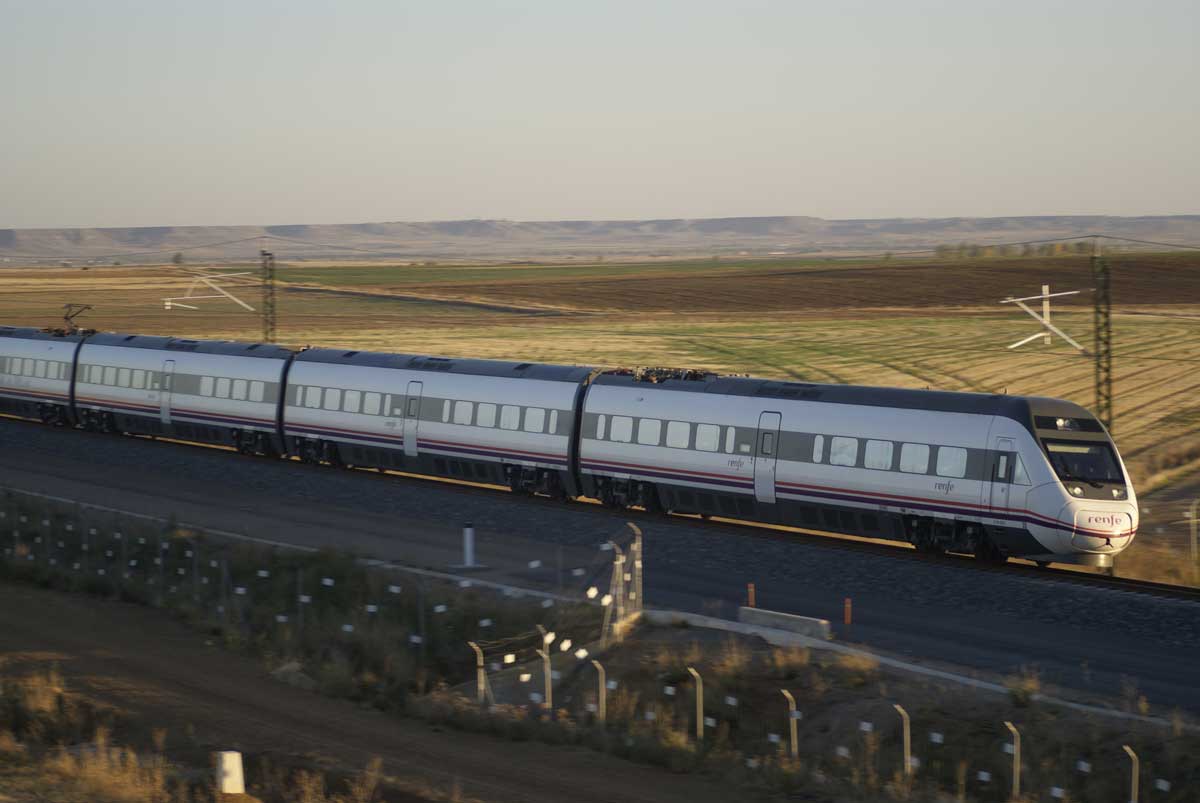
[[225, 347], [1018, 408], [32, 333], [448, 365]]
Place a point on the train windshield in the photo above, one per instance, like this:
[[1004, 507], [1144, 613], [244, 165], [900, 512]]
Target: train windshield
[[1086, 462]]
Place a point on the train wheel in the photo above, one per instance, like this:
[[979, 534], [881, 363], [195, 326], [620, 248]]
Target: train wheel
[[988, 552]]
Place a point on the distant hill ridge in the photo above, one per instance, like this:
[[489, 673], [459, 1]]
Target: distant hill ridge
[[508, 239]]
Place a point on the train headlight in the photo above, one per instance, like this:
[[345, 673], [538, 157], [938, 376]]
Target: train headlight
[[1077, 490], [1118, 493]]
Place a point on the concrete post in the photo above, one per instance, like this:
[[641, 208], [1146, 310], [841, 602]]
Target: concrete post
[[908, 767], [602, 700], [699, 704], [1135, 771], [480, 672], [230, 780], [792, 723], [468, 546], [1016, 765], [549, 701]]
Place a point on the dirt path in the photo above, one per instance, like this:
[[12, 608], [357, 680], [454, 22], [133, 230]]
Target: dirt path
[[164, 674]]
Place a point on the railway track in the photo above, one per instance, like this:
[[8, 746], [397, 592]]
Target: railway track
[[894, 550]]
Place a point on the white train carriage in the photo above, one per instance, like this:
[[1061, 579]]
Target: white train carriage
[[196, 390], [35, 373], [944, 471], [497, 422]]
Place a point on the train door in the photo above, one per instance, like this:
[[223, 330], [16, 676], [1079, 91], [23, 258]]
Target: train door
[[1003, 455], [412, 418], [164, 392], [765, 456]]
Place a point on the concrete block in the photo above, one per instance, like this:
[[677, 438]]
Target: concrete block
[[230, 780], [804, 625]]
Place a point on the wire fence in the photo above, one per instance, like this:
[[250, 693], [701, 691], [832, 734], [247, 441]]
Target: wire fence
[[477, 658]]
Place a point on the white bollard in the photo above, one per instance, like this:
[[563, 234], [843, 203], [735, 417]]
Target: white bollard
[[468, 546], [230, 780], [468, 540]]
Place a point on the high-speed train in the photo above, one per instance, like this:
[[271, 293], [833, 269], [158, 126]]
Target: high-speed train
[[994, 475]]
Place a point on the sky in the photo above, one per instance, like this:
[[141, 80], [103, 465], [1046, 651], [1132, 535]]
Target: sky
[[166, 113]]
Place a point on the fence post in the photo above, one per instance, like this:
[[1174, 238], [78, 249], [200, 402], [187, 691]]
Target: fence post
[[1016, 766], [699, 704], [549, 684], [1135, 772], [792, 724], [908, 768], [602, 701], [480, 676]]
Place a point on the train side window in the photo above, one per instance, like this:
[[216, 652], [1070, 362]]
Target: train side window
[[413, 409], [600, 419], [768, 444], [553, 427], [510, 417], [3, 365], [1019, 476], [708, 437], [446, 411], [239, 389], [222, 387], [394, 404], [206, 386], [649, 431], [678, 434], [463, 411], [312, 397], [730, 435], [951, 461], [258, 390], [139, 378], [1001, 468], [40, 369], [621, 429], [351, 401], [371, 403], [486, 417], [333, 399], [297, 395], [914, 458], [27, 369], [110, 373], [96, 375], [123, 377], [878, 454], [818, 448], [843, 451], [535, 419]]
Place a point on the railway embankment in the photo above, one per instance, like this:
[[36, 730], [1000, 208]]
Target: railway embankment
[[687, 698]]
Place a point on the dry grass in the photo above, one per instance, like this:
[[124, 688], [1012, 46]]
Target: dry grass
[[1024, 687], [786, 662], [104, 774]]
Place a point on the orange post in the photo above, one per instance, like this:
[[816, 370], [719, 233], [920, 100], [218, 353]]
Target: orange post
[[846, 610], [750, 603]]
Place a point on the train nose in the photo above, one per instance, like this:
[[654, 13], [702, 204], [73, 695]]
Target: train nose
[[1102, 530]]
